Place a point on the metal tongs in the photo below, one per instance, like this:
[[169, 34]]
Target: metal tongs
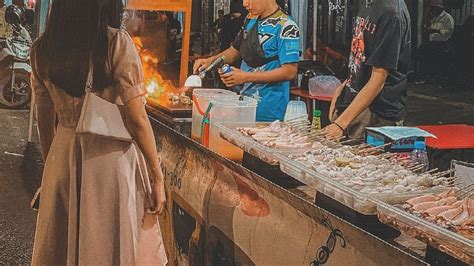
[[195, 81]]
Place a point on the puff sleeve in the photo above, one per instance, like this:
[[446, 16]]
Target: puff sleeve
[[126, 67], [41, 94]]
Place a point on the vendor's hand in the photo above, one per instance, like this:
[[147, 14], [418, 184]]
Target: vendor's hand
[[201, 64], [332, 107], [158, 192], [333, 131], [235, 77]]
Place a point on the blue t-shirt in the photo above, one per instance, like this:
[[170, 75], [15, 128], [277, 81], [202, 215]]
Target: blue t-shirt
[[279, 36]]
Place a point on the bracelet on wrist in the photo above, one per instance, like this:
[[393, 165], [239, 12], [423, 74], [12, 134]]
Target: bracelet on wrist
[[341, 128], [154, 169]]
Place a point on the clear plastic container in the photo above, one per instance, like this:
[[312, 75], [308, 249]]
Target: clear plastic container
[[323, 86], [268, 155], [447, 241], [229, 110], [201, 99], [229, 133], [360, 202], [296, 109]]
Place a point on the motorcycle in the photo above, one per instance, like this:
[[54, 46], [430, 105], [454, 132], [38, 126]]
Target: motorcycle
[[15, 70]]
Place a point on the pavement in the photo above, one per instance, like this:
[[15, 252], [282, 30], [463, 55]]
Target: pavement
[[430, 104], [426, 104], [17, 219]]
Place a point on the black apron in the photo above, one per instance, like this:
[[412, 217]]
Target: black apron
[[251, 51]]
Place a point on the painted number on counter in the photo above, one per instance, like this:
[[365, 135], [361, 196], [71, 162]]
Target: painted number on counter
[[175, 181]]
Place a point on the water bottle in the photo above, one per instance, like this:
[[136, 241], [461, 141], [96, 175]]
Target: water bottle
[[420, 156]]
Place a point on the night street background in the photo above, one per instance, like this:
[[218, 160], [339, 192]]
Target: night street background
[[427, 104]]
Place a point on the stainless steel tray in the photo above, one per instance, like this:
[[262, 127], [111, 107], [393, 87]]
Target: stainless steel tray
[[446, 241]]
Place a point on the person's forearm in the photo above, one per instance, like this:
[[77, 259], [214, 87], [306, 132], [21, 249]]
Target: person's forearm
[[142, 133], [46, 128], [231, 55], [364, 98], [283, 73]]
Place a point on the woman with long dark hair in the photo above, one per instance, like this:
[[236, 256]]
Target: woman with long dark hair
[[93, 203]]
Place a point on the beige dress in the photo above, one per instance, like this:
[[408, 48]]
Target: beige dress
[[92, 204]]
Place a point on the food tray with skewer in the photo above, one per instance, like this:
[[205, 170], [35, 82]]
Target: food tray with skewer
[[355, 180], [444, 224], [264, 140]]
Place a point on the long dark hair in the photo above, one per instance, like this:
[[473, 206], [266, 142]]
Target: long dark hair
[[76, 30]]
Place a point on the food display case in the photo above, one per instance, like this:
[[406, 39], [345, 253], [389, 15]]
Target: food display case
[[378, 213], [361, 202], [441, 238], [269, 155]]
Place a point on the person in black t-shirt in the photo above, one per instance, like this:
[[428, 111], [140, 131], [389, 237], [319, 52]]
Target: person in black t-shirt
[[375, 90]]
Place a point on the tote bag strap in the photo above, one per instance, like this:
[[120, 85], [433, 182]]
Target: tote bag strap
[[90, 76]]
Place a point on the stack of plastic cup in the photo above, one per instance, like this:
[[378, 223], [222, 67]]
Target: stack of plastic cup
[[296, 109]]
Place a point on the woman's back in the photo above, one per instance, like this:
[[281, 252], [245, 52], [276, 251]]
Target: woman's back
[[122, 69]]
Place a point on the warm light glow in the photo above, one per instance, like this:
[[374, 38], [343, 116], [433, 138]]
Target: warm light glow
[[156, 86]]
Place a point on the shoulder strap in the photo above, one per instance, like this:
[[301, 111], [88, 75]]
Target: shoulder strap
[[90, 76]]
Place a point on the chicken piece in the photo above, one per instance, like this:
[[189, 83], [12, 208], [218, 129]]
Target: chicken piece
[[457, 204], [463, 216], [433, 212], [421, 207], [447, 201], [448, 193], [450, 214], [421, 199]]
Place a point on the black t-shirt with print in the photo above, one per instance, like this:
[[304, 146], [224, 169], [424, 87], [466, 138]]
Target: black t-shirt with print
[[381, 38]]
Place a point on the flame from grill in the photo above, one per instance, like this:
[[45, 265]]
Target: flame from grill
[[156, 86]]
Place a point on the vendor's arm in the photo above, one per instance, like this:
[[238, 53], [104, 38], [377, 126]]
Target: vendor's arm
[[231, 55], [365, 97], [362, 101], [283, 73]]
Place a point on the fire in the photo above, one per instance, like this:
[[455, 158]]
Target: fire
[[156, 86]]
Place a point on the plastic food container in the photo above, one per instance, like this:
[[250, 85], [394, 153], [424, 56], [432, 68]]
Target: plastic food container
[[230, 134], [360, 202], [201, 99], [229, 110], [296, 109], [447, 241], [323, 86]]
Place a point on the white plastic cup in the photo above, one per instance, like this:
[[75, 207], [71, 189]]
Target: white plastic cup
[[296, 109]]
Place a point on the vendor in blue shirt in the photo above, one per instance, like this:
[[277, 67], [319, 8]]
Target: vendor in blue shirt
[[269, 47]]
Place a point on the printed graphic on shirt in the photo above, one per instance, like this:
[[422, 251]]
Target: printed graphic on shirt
[[290, 31], [264, 37], [272, 21], [358, 56]]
